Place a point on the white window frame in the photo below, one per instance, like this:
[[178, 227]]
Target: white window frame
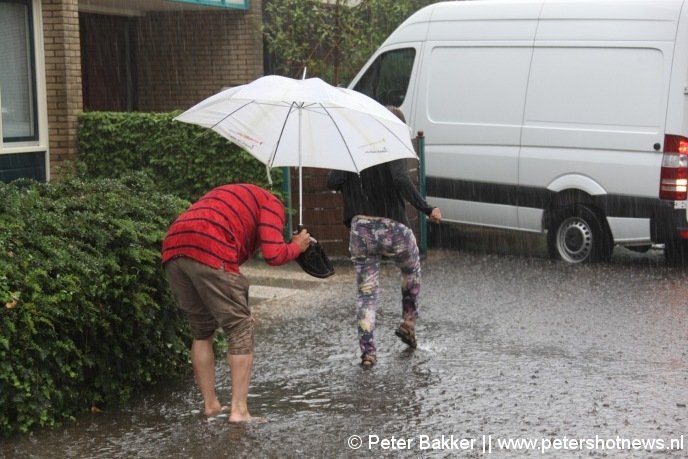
[[41, 143]]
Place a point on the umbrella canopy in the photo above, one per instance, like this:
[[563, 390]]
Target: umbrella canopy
[[304, 123]]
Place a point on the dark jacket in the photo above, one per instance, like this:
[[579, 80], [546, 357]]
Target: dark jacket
[[379, 191]]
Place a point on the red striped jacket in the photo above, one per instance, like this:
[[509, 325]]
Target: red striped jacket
[[227, 225]]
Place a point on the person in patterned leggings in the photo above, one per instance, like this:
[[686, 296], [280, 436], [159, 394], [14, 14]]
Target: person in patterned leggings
[[374, 210]]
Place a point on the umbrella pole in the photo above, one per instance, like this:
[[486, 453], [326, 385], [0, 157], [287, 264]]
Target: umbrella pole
[[300, 176]]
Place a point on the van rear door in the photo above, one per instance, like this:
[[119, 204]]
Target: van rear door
[[596, 110]]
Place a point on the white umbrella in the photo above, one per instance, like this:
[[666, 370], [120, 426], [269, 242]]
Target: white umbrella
[[304, 123]]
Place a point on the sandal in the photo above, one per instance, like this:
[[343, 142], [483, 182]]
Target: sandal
[[368, 359], [407, 334]]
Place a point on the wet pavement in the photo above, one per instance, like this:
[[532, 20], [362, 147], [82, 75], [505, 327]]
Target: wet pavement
[[568, 361]]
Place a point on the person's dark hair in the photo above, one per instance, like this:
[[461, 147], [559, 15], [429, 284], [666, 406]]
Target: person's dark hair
[[397, 111]]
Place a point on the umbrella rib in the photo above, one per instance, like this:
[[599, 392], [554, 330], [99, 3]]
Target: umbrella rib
[[253, 101], [232, 113], [325, 109], [334, 123], [279, 139], [393, 134]]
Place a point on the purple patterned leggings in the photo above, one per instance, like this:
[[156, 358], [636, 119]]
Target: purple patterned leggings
[[371, 239]]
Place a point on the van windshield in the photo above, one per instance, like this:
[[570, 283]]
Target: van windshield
[[387, 78]]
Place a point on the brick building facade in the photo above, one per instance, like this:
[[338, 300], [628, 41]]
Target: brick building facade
[[124, 55]]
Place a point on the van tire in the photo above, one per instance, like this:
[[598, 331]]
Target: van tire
[[577, 235]]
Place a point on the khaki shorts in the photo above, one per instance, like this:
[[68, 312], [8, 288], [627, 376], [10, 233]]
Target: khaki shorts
[[212, 299]]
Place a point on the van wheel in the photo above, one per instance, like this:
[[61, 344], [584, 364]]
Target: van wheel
[[577, 235]]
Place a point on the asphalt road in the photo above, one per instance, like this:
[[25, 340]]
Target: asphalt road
[[518, 356]]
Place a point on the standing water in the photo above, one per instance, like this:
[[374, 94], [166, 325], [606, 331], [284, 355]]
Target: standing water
[[518, 357]]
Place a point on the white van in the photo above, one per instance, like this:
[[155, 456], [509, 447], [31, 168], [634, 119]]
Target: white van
[[562, 116]]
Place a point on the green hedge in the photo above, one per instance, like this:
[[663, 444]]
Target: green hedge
[[86, 317], [182, 158]]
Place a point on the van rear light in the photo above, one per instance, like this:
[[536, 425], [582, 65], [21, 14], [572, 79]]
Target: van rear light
[[673, 182]]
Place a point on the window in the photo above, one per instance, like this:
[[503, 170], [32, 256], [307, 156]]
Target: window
[[387, 79], [17, 76], [238, 4]]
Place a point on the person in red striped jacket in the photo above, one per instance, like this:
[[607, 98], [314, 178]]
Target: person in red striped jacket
[[201, 254]]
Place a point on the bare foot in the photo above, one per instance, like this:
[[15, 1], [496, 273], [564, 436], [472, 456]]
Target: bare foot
[[247, 420], [219, 410]]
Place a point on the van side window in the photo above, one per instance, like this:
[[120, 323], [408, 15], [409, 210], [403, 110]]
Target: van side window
[[387, 78]]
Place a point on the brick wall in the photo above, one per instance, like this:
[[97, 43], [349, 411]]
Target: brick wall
[[63, 77], [185, 57]]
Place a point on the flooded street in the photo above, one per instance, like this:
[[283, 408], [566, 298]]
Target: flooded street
[[570, 361]]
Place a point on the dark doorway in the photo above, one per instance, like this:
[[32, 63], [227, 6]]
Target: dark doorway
[[108, 63]]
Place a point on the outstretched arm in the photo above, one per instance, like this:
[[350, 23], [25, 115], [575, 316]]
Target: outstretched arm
[[407, 189], [276, 251]]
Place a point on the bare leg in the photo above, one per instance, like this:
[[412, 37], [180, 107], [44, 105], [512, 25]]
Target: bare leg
[[203, 362], [240, 366]]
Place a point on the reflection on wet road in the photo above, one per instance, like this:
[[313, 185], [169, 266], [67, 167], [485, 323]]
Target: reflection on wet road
[[510, 347]]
